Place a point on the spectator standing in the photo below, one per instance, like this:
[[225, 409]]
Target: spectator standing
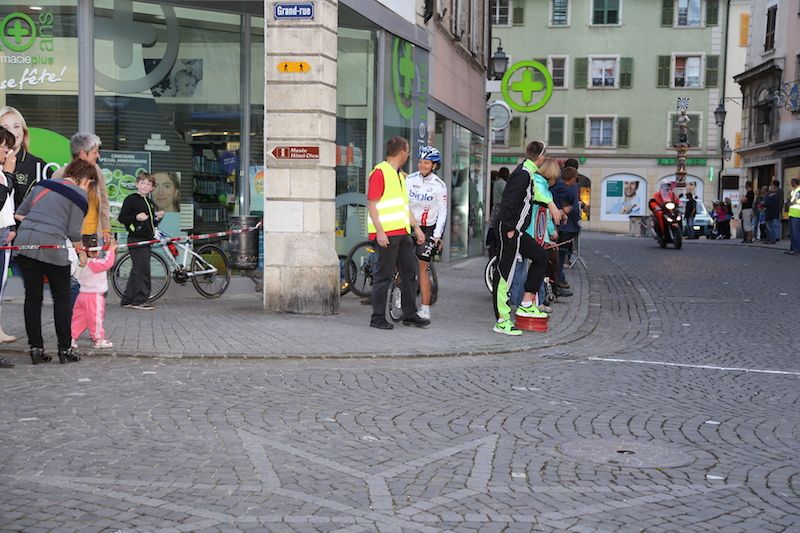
[[7, 221], [86, 147], [499, 186], [759, 222], [772, 215], [690, 211], [566, 196], [52, 213], [139, 216], [90, 307], [794, 217], [723, 221], [390, 224], [746, 213]]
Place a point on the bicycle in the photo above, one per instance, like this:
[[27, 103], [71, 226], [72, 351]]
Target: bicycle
[[208, 269]]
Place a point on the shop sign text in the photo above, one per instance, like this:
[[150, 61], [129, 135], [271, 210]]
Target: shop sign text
[[301, 153], [691, 162], [31, 77]]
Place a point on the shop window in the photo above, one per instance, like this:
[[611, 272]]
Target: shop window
[[606, 11]]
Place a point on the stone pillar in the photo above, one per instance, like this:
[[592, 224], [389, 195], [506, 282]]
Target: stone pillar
[[301, 268]]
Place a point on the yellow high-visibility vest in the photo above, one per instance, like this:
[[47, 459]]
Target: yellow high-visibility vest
[[393, 205], [794, 206]]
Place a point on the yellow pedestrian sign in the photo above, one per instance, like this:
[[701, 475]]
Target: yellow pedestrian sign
[[287, 67]]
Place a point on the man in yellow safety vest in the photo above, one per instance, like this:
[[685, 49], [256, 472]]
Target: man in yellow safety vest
[[794, 217], [390, 223]]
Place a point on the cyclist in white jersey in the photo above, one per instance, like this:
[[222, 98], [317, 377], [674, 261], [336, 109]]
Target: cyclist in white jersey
[[428, 201]]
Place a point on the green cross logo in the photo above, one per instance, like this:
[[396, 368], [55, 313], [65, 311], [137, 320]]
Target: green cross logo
[[526, 86], [403, 72], [18, 32]]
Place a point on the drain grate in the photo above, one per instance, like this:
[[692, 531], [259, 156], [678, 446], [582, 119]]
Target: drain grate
[[627, 452]]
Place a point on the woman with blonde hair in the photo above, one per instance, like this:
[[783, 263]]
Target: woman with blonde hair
[[29, 168]]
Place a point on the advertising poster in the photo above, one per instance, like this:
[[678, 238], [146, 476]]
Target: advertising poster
[[694, 185], [622, 196], [120, 170], [256, 180]]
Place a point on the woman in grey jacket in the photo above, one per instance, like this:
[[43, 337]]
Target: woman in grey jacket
[[52, 213]]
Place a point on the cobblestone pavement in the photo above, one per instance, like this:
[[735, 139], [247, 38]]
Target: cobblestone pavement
[[677, 410]]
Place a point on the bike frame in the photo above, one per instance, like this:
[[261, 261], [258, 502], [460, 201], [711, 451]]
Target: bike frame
[[185, 260]]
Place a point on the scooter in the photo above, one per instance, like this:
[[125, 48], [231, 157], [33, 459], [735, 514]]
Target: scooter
[[672, 227]]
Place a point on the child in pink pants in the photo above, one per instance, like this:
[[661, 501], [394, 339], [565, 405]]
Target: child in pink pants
[[90, 307]]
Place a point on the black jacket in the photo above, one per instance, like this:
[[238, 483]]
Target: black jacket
[[514, 211], [132, 206], [28, 166]]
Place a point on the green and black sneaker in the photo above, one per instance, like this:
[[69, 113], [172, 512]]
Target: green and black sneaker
[[506, 327]]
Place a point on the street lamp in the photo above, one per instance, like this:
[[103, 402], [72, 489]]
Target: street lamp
[[499, 62], [719, 114]]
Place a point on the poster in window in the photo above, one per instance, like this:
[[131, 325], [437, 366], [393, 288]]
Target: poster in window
[[622, 196], [183, 81]]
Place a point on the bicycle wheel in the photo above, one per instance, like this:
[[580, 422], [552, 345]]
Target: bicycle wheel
[[394, 302], [363, 260], [159, 275], [344, 277], [489, 273], [211, 285]]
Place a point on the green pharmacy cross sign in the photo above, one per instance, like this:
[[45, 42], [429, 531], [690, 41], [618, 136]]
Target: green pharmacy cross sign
[[519, 86], [403, 73], [17, 32]]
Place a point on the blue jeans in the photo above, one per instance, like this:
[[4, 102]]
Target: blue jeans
[[690, 227], [774, 229], [794, 228], [518, 284]]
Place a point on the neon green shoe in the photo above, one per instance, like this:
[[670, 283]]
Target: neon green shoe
[[506, 327], [530, 312]]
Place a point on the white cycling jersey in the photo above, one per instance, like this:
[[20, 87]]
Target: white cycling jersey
[[428, 200]]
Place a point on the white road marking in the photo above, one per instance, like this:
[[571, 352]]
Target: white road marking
[[705, 367]]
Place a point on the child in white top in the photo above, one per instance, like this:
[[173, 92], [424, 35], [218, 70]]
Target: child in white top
[[90, 306]]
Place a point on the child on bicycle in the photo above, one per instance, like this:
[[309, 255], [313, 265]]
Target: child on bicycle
[[139, 216], [427, 196], [90, 306]]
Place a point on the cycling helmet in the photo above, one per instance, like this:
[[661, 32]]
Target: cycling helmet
[[430, 153]]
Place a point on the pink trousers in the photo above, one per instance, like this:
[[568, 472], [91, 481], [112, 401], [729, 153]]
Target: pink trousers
[[88, 313]]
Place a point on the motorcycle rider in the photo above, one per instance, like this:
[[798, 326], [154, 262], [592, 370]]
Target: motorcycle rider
[[660, 198], [427, 196]]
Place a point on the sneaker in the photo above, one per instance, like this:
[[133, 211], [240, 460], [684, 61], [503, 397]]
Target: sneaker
[[563, 293], [416, 320], [5, 363], [424, 313], [102, 344], [73, 344], [380, 323], [506, 327], [530, 312], [789, 252], [562, 285], [545, 309], [127, 306], [142, 307]]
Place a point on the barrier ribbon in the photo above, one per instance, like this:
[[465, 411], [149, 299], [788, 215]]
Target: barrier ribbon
[[159, 242]]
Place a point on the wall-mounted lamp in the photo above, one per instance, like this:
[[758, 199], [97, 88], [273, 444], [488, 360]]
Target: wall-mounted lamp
[[499, 61]]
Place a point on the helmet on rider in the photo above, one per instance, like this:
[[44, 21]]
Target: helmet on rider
[[429, 159]]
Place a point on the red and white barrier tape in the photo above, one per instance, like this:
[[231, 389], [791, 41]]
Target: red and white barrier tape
[[160, 242]]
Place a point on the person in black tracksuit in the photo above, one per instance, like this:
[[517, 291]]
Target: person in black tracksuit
[[139, 216], [513, 219]]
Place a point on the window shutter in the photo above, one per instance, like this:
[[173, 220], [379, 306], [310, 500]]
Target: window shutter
[[555, 131], [667, 12], [712, 71], [518, 17], [626, 72], [623, 131], [579, 132], [538, 76], [513, 133], [712, 12], [664, 64], [744, 29], [694, 130], [581, 72]]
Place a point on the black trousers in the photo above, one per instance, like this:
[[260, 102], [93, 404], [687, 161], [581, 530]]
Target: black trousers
[[33, 272], [400, 252], [527, 247], [138, 289]]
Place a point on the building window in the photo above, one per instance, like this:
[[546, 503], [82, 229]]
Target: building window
[[556, 130], [500, 137], [687, 71], [606, 12], [500, 10], [558, 70], [690, 13], [769, 40], [601, 131], [604, 72], [559, 12]]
